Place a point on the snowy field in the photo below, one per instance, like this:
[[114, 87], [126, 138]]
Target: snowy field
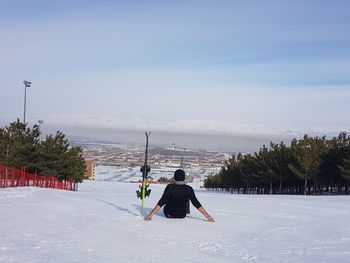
[[101, 223], [128, 174], [133, 174]]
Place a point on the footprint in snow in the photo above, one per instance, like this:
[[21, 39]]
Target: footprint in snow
[[206, 246], [247, 257]]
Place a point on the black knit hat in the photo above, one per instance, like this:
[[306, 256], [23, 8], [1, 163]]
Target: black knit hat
[[179, 175]]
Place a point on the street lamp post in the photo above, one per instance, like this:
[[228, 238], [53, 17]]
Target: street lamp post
[[6, 172], [40, 122], [26, 84]]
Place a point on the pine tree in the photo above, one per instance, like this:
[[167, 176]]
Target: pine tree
[[266, 162], [308, 152], [345, 169], [19, 146], [281, 156], [76, 164], [249, 169], [338, 150], [52, 153], [61, 160]]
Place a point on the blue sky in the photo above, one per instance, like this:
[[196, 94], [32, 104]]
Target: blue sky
[[276, 63]]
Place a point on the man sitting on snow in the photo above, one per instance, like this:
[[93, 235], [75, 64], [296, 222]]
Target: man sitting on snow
[[176, 199]]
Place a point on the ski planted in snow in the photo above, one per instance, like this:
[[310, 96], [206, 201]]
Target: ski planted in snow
[[144, 190]]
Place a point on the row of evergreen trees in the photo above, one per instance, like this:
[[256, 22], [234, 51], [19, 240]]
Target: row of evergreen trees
[[311, 165], [20, 146]]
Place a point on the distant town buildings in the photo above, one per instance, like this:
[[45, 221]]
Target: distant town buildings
[[120, 155], [122, 162], [90, 170]]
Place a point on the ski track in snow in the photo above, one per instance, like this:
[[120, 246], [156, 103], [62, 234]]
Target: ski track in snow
[[102, 223]]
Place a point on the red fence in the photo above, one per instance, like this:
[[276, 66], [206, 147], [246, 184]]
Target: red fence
[[12, 177]]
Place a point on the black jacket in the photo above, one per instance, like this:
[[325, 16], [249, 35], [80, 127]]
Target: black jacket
[[175, 198]]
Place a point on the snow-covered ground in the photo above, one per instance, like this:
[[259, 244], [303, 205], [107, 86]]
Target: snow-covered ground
[[101, 223], [128, 174], [133, 174]]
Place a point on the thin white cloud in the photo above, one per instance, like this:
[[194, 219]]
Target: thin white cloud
[[189, 126]]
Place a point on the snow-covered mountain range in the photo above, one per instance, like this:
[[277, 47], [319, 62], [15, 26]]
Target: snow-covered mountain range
[[190, 126]]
